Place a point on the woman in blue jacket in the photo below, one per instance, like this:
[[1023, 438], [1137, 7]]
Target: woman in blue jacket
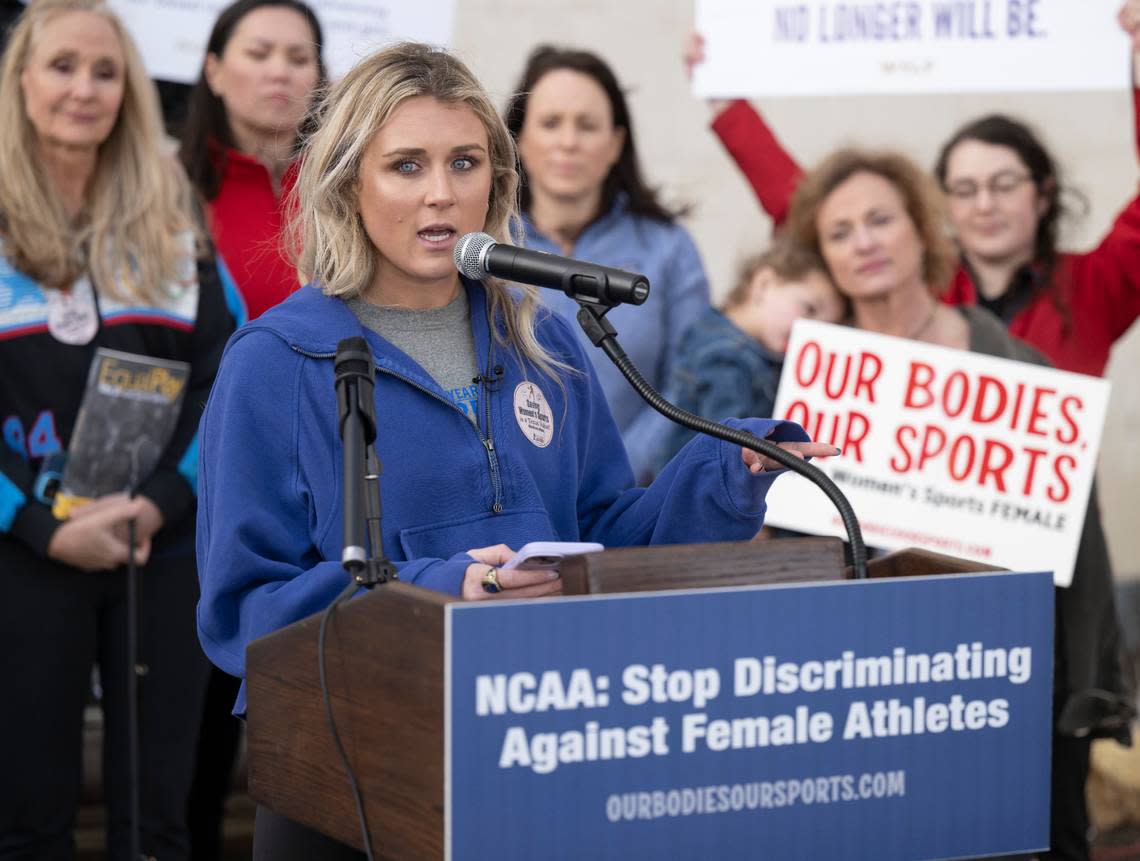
[[492, 428], [583, 194]]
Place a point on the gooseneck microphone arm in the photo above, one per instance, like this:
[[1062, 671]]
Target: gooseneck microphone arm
[[602, 334], [597, 289]]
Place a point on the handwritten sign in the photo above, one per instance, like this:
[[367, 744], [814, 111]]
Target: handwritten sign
[[172, 34], [957, 452], [825, 47]]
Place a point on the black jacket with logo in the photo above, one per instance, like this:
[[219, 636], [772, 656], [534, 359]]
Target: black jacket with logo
[[42, 382]]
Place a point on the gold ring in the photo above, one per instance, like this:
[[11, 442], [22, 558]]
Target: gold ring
[[491, 581]]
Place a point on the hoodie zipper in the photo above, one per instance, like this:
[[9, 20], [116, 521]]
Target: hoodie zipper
[[489, 439], [486, 440]]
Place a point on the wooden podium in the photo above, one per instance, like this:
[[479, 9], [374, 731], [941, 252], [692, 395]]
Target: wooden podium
[[385, 669]]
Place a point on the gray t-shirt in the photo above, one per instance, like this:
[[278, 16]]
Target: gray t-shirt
[[439, 339]]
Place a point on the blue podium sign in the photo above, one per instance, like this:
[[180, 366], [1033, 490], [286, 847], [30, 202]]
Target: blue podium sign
[[891, 720]]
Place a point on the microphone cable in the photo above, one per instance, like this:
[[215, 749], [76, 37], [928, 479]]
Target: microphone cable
[[358, 799]]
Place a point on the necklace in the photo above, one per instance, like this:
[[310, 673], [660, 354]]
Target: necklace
[[925, 324]]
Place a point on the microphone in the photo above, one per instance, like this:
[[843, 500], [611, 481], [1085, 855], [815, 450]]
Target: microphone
[[478, 255], [354, 374]]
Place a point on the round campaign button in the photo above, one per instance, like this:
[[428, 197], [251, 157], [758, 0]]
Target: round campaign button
[[533, 413], [72, 315]]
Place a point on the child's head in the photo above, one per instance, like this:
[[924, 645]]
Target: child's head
[[776, 288]]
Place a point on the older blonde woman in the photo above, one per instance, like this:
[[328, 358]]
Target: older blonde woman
[[492, 427], [99, 247], [878, 223]]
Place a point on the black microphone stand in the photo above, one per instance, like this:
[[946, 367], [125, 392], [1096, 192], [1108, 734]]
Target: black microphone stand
[[355, 381], [592, 319], [135, 670]]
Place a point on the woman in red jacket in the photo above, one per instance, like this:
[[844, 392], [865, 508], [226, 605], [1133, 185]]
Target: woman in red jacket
[[1004, 205], [1003, 202], [263, 65]]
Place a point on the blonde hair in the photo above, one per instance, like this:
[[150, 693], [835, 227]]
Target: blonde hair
[[131, 234], [921, 197], [335, 252]]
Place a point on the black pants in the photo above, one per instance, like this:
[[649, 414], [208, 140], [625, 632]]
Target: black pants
[[277, 838], [55, 623], [218, 740], [1068, 813]]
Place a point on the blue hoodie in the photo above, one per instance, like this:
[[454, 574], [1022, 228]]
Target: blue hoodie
[[270, 493]]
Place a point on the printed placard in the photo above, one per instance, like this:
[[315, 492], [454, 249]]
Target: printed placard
[[830, 47], [883, 720], [172, 34], [979, 457]]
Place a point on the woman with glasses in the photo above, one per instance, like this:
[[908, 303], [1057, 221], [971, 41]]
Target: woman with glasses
[[1004, 199], [1004, 195]]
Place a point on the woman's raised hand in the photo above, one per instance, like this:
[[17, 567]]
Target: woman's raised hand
[[1129, 18], [693, 55]]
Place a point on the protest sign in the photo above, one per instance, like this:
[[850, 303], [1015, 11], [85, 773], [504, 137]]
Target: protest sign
[[826, 47], [878, 720], [957, 452], [172, 34]]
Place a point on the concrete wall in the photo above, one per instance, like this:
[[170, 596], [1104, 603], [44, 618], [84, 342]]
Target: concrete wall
[[1091, 134]]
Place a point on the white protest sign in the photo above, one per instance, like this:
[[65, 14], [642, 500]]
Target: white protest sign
[[825, 47], [956, 452], [172, 34]]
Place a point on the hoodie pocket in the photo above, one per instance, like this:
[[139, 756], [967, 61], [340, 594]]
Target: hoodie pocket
[[512, 527]]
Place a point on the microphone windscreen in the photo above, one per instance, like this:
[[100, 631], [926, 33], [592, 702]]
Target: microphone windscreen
[[469, 253], [353, 358]]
